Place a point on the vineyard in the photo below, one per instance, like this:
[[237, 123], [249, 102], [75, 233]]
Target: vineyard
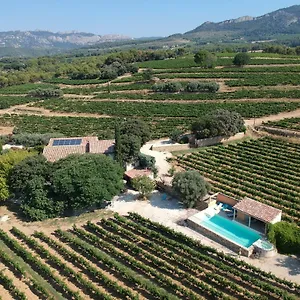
[[266, 170], [292, 124], [128, 258]]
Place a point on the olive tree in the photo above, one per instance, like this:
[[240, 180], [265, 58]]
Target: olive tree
[[241, 59], [190, 186], [205, 59], [144, 185]]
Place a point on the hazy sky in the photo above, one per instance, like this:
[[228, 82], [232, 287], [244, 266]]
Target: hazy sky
[[135, 18]]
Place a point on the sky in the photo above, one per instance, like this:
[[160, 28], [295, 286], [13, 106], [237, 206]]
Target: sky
[[134, 18]]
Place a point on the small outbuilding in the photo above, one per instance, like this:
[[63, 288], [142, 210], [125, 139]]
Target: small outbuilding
[[248, 211], [129, 175]]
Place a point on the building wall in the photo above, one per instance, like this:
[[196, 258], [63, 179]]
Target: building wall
[[241, 217], [277, 219], [226, 199]]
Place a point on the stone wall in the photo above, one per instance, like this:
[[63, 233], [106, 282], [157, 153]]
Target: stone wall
[[219, 239], [170, 147], [280, 131], [218, 139]]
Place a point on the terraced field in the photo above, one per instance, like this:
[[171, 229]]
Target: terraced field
[[266, 170], [127, 258], [291, 124], [268, 86]]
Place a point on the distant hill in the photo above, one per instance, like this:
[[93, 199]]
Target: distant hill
[[283, 21], [50, 42]]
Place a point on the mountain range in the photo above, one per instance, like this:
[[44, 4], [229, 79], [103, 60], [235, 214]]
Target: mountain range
[[284, 21], [41, 39], [280, 25]]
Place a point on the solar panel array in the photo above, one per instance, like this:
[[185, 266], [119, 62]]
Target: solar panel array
[[69, 142]]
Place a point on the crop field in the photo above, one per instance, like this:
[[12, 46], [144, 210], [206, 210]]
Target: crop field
[[266, 170], [291, 124], [84, 126], [9, 101], [150, 109], [128, 258]]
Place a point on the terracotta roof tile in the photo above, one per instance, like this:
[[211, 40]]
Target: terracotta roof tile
[[54, 153], [258, 210], [136, 173]]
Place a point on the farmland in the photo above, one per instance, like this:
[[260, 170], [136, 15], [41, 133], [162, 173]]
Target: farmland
[[266, 170], [292, 124], [128, 258], [268, 86]]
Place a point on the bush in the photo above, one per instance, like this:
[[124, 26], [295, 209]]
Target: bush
[[286, 237], [193, 87], [46, 93], [168, 87]]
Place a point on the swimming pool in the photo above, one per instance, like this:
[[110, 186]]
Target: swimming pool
[[233, 231]]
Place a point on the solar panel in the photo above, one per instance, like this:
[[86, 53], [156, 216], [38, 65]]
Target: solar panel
[[67, 142]]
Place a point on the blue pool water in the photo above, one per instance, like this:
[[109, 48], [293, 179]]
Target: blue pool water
[[231, 230]]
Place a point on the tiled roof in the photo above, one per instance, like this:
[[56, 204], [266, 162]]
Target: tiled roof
[[257, 210], [89, 144], [136, 173]]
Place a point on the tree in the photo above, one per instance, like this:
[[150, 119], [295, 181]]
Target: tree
[[133, 134], [285, 236], [136, 127], [205, 59], [144, 185], [241, 59], [81, 181], [37, 205], [218, 123], [175, 135], [118, 146], [147, 74], [130, 147], [31, 167], [190, 186], [7, 162]]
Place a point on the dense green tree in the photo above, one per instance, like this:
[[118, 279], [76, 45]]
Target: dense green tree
[[146, 161], [205, 59], [84, 180], [175, 135], [130, 147], [136, 127], [7, 162], [148, 74], [133, 134], [218, 123], [190, 186], [118, 146], [144, 185], [285, 236], [37, 205], [241, 59], [31, 167]]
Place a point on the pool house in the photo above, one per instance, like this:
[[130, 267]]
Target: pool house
[[240, 225], [256, 214]]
